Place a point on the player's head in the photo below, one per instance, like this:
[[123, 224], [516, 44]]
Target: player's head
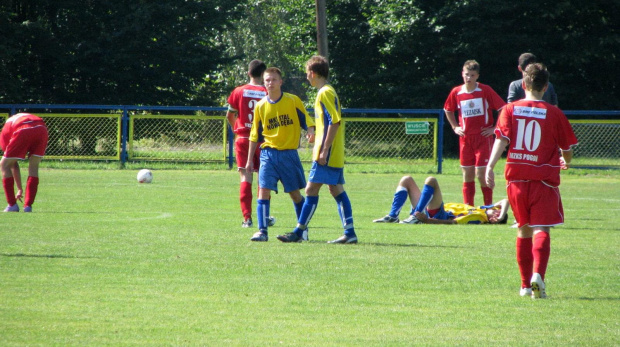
[[536, 77], [256, 68], [526, 59], [471, 72], [319, 65], [471, 65], [493, 214], [272, 77]]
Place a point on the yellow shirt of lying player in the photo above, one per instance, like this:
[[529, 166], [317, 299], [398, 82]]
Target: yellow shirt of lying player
[[327, 111], [466, 214], [279, 122]]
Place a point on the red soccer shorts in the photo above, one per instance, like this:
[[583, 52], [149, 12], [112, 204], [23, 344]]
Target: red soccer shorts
[[242, 144], [475, 150], [535, 203], [26, 140]]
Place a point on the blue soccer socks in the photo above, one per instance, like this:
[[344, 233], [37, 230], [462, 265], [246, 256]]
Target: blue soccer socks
[[262, 212], [308, 210], [425, 198], [400, 197], [346, 214], [299, 206]]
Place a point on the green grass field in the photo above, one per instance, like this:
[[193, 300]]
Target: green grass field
[[104, 260]]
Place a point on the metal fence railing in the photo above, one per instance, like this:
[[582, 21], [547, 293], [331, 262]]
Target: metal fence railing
[[201, 134]]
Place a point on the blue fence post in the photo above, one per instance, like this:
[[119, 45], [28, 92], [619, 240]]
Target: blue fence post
[[231, 139], [440, 121], [124, 135]]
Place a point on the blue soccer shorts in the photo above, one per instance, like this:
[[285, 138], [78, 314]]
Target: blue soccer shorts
[[284, 166], [441, 214], [325, 174]]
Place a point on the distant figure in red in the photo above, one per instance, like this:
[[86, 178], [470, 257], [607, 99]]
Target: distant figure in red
[[23, 134]]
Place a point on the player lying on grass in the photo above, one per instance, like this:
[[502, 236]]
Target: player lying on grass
[[428, 207]]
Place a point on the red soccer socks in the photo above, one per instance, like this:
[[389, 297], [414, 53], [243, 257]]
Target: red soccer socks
[[525, 260], [32, 185], [469, 191], [9, 190]]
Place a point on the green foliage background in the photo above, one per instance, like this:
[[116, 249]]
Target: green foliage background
[[384, 53]]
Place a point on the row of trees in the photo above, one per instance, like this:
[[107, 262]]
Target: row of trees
[[384, 53]]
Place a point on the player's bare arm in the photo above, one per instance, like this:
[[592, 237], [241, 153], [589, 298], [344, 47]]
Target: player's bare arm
[[231, 117], [422, 217], [498, 148], [310, 135], [486, 132], [566, 158], [249, 165], [454, 124], [18, 181]]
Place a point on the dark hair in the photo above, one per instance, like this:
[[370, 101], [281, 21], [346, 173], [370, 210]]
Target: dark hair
[[536, 77], [274, 70], [526, 59], [504, 220], [319, 65], [472, 65], [256, 68]]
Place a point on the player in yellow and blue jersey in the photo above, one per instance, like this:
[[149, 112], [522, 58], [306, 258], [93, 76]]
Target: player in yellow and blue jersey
[[278, 120], [328, 156], [428, 207]]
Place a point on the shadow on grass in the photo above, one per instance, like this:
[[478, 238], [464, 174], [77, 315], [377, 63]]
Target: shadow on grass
[[50, 256], [387, 244], [595, 229], [597, 299]]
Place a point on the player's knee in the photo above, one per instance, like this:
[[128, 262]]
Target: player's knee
[[406, 181], [431, 181]]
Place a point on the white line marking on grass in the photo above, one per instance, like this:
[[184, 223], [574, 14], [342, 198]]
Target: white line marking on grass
[[161, 216]]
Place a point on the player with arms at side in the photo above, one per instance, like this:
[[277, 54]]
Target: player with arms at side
[[328, 156], [23, 134], [427, 206], [278, 118], [240, 113], [475, 103], [537, 132]]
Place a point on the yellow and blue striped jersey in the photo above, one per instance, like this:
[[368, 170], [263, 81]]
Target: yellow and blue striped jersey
[[327, 111], [279, 122], [466, 214]]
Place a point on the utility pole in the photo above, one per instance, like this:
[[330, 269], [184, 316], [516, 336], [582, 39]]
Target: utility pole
[[321, 28]]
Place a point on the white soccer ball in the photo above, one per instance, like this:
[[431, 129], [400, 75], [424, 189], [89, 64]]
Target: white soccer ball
[[145, 176]]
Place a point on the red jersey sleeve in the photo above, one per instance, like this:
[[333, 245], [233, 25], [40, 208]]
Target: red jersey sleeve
[[451, 103]]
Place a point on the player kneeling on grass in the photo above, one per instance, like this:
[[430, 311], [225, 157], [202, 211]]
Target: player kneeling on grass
[[427, 206], [22, 134]]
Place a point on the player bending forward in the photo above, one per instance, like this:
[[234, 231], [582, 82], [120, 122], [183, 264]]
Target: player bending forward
[[23, 134], [427, 206], [537, 132]]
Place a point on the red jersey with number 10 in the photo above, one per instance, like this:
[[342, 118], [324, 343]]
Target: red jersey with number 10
[[536, 131], [475, 108], [243, 99]]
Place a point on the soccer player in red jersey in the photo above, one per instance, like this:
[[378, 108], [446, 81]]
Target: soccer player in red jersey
[[240, 114], [540, 141], [475, 103], [23, 134]]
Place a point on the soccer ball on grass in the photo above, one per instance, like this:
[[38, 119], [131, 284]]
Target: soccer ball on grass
[[145, 176]]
